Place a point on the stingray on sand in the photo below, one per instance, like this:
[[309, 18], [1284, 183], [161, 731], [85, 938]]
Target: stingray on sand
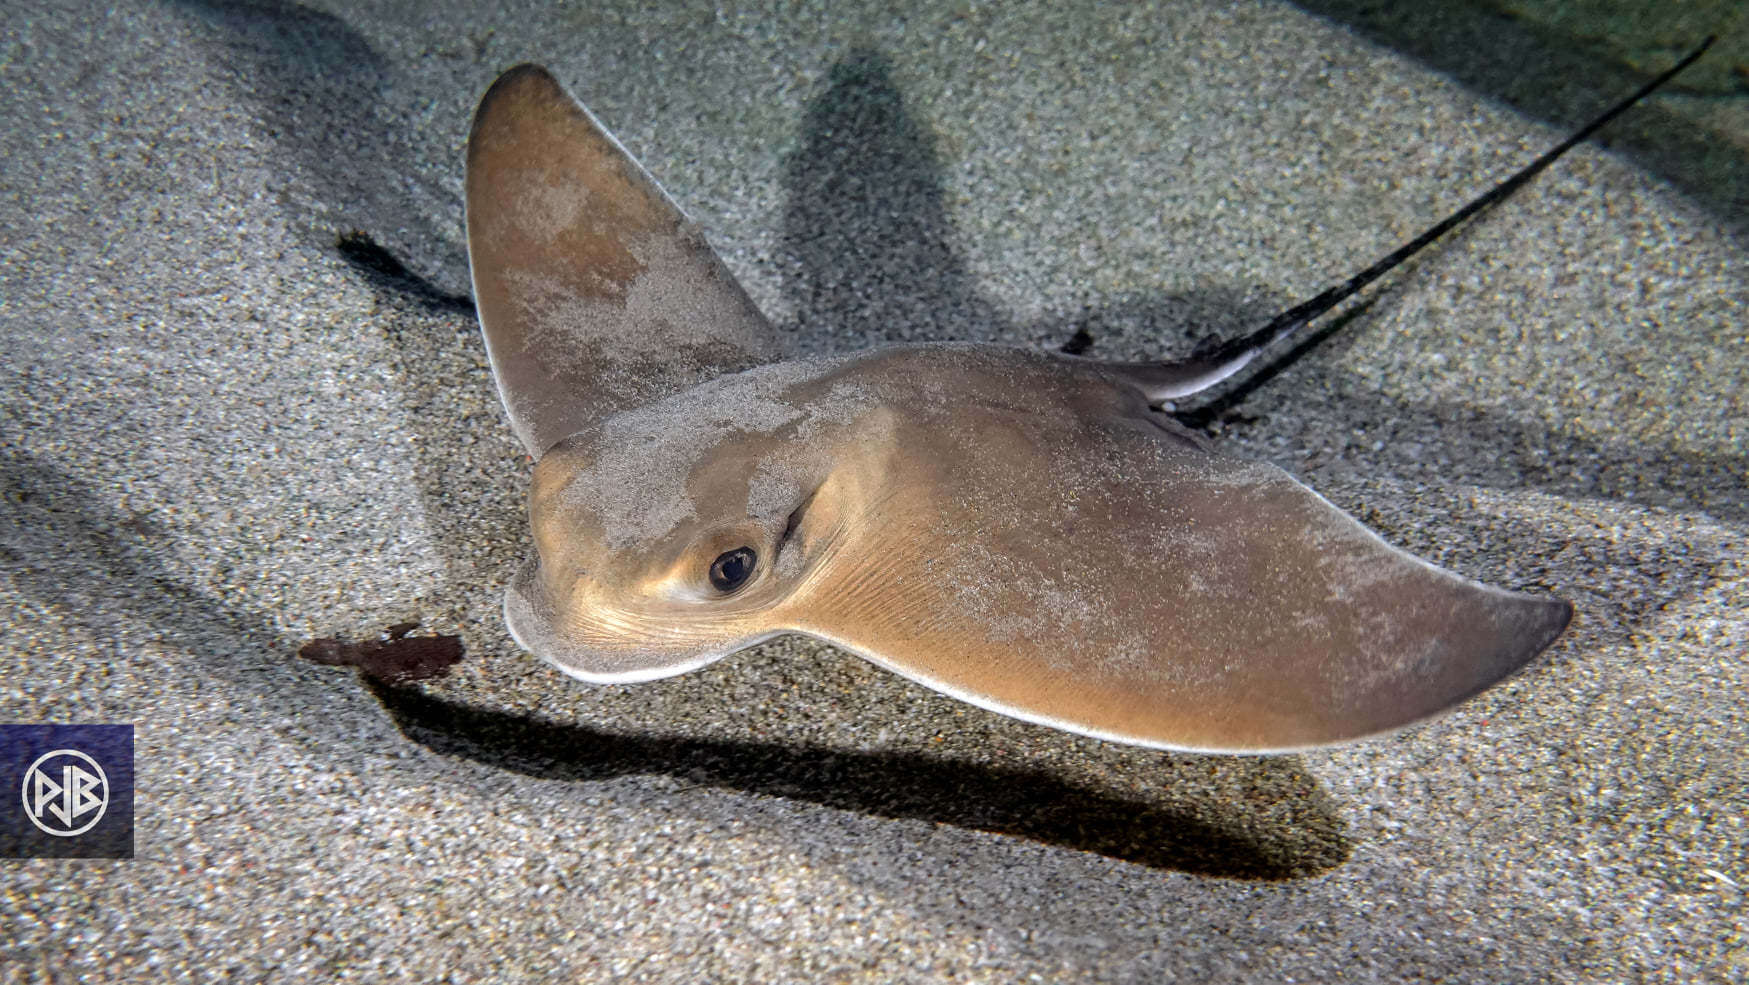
[[1024, 530]]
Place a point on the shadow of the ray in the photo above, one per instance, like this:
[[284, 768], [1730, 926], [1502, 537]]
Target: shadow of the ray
[[871, 253], [293, 65], [1029, 804], [62, 545]]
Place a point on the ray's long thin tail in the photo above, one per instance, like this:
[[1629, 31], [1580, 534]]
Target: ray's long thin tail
[[1169, 381]]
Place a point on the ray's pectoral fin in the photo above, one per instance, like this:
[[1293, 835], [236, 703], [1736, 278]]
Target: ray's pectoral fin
[[1353, 636], [1260, 618], [595, 292]]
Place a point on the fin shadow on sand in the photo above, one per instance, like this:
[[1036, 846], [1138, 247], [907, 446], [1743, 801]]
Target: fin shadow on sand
[[295, 65], [1214, 838]]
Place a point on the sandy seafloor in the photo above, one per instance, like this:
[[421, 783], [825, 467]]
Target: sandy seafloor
[[222, 439]]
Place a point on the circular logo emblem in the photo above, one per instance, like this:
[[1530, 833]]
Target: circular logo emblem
[[65, 792]]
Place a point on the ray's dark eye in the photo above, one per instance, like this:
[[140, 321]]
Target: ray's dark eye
[[731, 569]]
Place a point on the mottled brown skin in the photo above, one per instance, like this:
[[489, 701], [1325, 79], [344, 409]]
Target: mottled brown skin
[[1017, 529], [596, 292]]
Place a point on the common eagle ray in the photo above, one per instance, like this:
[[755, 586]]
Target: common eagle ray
[[1027, 531]]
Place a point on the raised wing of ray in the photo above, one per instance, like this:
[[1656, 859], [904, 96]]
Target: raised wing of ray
[[595, 291], [1172, 380]]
